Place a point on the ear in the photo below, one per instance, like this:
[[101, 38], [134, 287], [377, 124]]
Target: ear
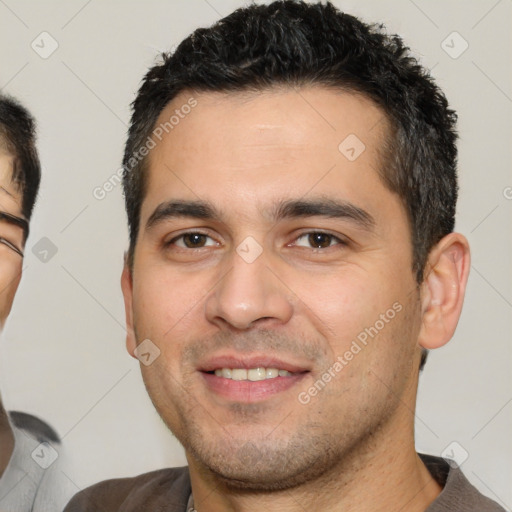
[[127, 287], [442, 290]]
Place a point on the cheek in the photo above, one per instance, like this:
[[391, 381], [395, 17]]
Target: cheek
[[167, 303], [342, 304], [10, 275]]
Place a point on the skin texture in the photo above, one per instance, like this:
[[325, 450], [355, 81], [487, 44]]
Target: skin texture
[[351, 446], [10, 275], [10, 262]]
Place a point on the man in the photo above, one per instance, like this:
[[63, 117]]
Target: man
[[30, 469], [290, 183]]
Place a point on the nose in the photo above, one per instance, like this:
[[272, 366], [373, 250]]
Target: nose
[[249, 294]]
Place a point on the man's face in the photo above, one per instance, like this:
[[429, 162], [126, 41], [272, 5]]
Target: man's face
[[12, 235], [265, 245]]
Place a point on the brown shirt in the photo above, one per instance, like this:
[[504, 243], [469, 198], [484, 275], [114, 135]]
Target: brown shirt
[[168, 490]]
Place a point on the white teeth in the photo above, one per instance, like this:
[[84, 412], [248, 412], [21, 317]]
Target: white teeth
[[239, 374], [272, 373], [226, 372], [253, 374]]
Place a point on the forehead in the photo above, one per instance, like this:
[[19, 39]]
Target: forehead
[[258, 146], [10, 196]]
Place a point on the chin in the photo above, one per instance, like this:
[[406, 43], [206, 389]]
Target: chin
[[261, 468]]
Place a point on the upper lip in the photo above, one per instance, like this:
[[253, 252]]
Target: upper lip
[[250, 361]]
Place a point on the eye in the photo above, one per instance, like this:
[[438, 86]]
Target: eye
[[193, 241], [318, 240]]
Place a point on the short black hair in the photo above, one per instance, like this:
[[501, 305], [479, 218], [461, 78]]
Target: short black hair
[[18, 139], [294, 43]]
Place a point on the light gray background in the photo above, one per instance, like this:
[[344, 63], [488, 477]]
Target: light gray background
[[62, 352]]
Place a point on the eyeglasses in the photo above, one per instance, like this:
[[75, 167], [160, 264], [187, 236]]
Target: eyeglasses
[[13, 232]]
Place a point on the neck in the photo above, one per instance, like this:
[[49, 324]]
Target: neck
[[382, 473], [6, 439]]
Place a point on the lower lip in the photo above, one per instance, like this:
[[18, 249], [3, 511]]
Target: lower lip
[[250, 391]]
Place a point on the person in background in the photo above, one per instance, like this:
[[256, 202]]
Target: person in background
[[30, 466]]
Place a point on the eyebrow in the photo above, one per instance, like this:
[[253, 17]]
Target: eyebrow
[[321, 207], [324, 207], [175, 209]]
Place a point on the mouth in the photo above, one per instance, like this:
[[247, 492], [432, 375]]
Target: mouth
[[251, 374], [250, 380]]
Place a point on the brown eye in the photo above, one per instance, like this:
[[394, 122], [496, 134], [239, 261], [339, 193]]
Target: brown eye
[[193, 241], [317, 240], [320, 240]]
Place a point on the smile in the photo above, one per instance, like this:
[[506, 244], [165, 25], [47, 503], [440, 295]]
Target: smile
[[251, 374]]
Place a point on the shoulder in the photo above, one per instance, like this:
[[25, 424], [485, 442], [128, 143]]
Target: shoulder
[[33, 479], [163, 490], [35, 427], [458, 493]]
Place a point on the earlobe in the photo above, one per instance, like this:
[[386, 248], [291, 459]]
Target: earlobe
[[442, 291], [127, 288]]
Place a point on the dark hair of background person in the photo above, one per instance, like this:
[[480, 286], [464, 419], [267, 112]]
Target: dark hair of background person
[[293, 44], [18, 139]]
